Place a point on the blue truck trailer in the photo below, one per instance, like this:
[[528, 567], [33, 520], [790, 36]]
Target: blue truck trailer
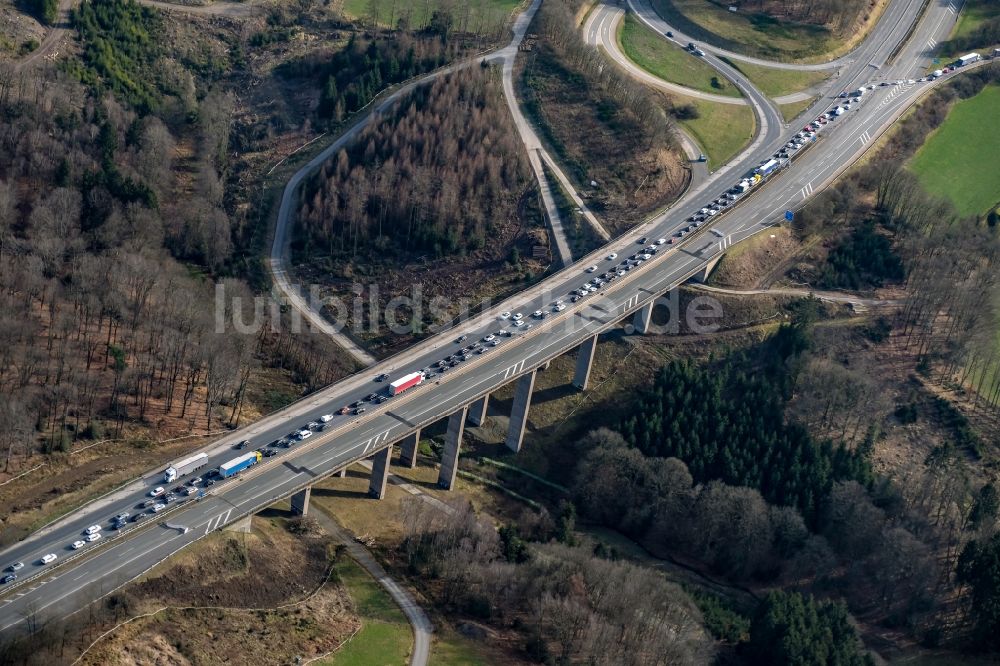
[[237, 465]]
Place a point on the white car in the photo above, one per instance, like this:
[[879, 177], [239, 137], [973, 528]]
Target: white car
[[713, 212], [489, 338], [536, 314], [505, 315], [495, 343], [326, 418], [517, 317], [558, 307], [612, 256], [77, 545], [518, 324], [93, 537], [661, 241], [48, 559], [93, 529], [158, 507], [592, 269], [304, 434], [156, 492]]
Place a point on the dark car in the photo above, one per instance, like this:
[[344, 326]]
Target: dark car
[[669, 34], [642, 241], [382, 377], [270, 452], [8, 578], [372, 397], [359, 410], [461, 338], [242, 445]]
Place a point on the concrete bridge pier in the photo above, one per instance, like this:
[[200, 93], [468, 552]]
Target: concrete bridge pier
[[342, 472], [643, 318], [702, 275], [477, 410], [519, 411], [452, 448], [380, 473], [408, 451], [584, 360], [300, 501]]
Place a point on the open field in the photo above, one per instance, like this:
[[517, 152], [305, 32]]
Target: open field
[[791, 110], [422, 10], [953, 163], [741, 32], [722, 130], [385, 635], [975, 13], [301, 611], [777, 82], [669, 62]]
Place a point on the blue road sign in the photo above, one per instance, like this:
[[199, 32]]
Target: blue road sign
[[789, 215]]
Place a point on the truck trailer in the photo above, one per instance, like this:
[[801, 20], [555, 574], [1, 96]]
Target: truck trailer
[[237, 465], [767, 168], [186, 466], [968, 59], [405, 382]]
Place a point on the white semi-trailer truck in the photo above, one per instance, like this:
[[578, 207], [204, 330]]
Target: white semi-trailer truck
[[185, 466]]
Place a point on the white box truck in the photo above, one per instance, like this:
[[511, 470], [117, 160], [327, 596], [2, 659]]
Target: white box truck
[[185, 466]]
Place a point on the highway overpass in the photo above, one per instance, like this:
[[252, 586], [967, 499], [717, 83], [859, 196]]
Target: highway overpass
[[43, 592]]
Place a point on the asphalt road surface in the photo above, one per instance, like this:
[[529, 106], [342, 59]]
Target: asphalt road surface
[[42, 592]]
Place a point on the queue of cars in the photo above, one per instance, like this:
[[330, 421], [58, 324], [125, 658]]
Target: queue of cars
[[159, 498]]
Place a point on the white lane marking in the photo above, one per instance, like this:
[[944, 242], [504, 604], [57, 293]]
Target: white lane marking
[[931, 43], [631, 303], [514, 369], [806, 191], [865, 137]]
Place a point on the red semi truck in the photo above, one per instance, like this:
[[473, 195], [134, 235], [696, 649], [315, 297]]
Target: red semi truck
[[405, 382]]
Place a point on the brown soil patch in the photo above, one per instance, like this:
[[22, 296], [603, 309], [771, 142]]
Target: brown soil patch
[[749, 263], [268, 569]]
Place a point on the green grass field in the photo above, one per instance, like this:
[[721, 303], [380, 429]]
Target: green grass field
[[955, 161], [740, 31], [385, 636], [669, 62], [722, 130], [974, 13], [791, 110], [490, 11], [777, 82]]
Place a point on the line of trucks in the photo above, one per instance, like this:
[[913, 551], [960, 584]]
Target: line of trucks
[[238, 464], [198, 461]]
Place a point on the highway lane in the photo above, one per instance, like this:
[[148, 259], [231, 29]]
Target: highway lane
[[353, 438]]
